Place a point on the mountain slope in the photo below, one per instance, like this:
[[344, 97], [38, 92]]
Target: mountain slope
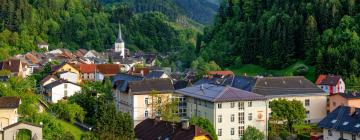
[[202, 11]]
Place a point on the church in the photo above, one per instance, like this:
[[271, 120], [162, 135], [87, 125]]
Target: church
[[120, 45]]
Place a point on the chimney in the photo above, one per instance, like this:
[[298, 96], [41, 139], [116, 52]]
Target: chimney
[[157, 120], [352, 110], [142, 72], [185, 124]]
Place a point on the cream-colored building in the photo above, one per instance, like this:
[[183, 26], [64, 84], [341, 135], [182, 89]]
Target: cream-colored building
[[295, 88], [9, 111], [229, 109], [138, 99]]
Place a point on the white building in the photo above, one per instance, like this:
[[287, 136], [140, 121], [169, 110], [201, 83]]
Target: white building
[[120, 44], [43, 45], [341, 124], [69, 76], [295, 88], [229, 109], [60, 89]]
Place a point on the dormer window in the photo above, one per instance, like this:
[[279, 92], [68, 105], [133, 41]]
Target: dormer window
[[333, 121], [357, 125], [345, 123]]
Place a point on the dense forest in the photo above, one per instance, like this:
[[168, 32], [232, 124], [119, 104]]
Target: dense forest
[[91, 24], [275, 34]]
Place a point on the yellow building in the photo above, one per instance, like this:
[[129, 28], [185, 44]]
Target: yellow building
[[65, 67], [9, 111]]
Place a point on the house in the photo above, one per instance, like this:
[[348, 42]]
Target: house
[[48, 79], [109, 69], [295, 88], [60, 89], [221, 73], [137, 98], [240, 82], [66, 67], [93, 54], [16, 67], [149, 59], [157, 74], [43, 45], [69, 76], [9, 111], [345, 99], [156, 129], [89, 72], [331, 84], [229, 109], [80, 53], [139, 71], [341, 124]]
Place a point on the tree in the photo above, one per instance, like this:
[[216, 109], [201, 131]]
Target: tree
[[68, 111], [251, 133], [164, 106], [289, 112], [205, 125]]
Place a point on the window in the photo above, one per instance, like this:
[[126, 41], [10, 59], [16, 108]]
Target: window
[[250, 116], [241, 130], [219, 105], [329, 132], [249, 104], [219, 118], [146, 101], [241, 117], [232, 131], [353, 137], [159, 100], [146, 114], [232, 119], [307, 102], [307, 113], [65, 85], [65, 93], [219, 132], [232, 104], [241, 105]]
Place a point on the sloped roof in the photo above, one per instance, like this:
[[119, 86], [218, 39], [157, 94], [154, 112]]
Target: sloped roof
[[32, 58], [56, 83], [144, 70], [87, 68], [350, 95], [240, 82], [9, 102], [151, 129], [330, 80], [121, 81], [155, 74], [224, 73], [108, 69], [341, 119], [286, 86], [149, 85], [11, 65], [219, 93], [180, 84], [48, 77]]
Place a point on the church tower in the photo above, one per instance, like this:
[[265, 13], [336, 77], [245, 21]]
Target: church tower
[[120, 44]]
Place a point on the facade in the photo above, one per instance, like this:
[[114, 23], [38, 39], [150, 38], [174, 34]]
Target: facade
[[295, 88], [65, 67], [151, 129], [69, 76], [341, 124], [9, 111], [16, 67], [345, 99], [59, 90], [331, 84], [229, 109], [43, 45], [137, 99]]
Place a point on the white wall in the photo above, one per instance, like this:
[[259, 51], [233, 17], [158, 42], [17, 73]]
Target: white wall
[[58, 92], [69, 76]]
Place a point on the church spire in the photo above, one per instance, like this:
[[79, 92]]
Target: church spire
[[119, 39]]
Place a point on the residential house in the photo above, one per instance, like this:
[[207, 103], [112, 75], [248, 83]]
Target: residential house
[[221, 73], [43, 45], [137, 98], [16, 67], [341, 124], [66, 67], [69, 76], [9, 111], [139, 71], [89, 72], [93, 54], [120, 84], [157, 74], [331, 84], [295, 88], [59, 90], [80, 53], [345, 99], [47, 80], [229, 109], [56, 51], [156, 129], [240, 82]]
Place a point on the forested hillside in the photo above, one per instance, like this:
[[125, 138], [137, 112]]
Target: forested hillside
[[89, 24], [275, 34]]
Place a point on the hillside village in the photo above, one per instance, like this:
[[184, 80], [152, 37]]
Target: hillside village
[[231, 103]]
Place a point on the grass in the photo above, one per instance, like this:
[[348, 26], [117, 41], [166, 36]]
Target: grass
[[77, 132], [254, 70]]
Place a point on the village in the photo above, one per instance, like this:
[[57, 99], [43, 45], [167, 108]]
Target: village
[[231, 103]]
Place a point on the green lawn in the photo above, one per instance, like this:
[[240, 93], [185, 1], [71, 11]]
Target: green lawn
[[77, 132], [253, 70]]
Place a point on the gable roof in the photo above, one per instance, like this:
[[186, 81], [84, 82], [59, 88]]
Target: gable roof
[[48, 77], [9, 102], [11, 65], [152, 129], [56, 68], [330, 80], [143, 71], [341, 119], [149, 85], [223, 73], [121, 81], [350, 95], [240, 82], [286, 86], [155, 74], [219, 93], [108, 69], [87, 68]]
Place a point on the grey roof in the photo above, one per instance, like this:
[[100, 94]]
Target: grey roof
[[286, 86], [155, 74], [350, 95], [121, 81], [219, 93], [341, 119], [240, 82], [9, 102], [149, 85]]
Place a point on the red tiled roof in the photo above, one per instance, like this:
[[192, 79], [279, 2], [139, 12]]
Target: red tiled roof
[[320, 78], [224, 73], [11, 65], [330, 80], [32, 58], [144, 71], [87, 68], [109, 69]]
